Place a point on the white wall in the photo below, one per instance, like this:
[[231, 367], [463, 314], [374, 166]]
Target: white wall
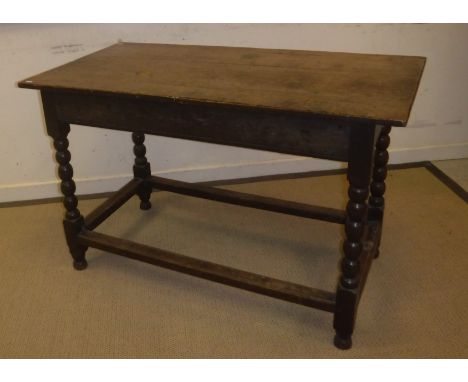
[[438, 128]]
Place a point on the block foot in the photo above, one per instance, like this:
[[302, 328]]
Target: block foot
[[377, 254], [145, 205], [80, 265], [342, 343]]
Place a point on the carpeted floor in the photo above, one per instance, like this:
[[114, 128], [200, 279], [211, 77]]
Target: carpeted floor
[[415, 304], [455, 169]]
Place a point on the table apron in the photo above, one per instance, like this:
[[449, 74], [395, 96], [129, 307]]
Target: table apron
[[262, 129]]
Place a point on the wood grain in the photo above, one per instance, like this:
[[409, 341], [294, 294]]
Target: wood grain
[[277, 131], [249, 200], [377, 88], [253, 282], [337, 106]]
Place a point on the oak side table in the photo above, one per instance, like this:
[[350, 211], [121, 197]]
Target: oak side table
[[337, 106]]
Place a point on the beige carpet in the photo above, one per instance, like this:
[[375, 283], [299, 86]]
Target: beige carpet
[[415, 303], [457, 169]]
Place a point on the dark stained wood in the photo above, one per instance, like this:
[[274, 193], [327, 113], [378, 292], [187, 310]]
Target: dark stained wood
[[359, 172], [371, 246], [377, 187], [283, 290], [347, 299], [379, 174], [289, 133], [142, 170], [73, 220], [248, 200], [112, 204], [56, 129], [377, 88], [337, 106]]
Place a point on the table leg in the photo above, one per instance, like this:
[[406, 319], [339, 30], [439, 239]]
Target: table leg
[[142, 169], [359, 173], [73, 220], [377, 201]]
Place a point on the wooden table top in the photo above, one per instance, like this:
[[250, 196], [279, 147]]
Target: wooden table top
[[370, 87]]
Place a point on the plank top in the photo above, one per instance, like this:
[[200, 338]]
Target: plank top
[[370, 87]]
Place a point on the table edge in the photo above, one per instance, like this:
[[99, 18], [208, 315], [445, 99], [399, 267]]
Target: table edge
[[350, 118], [26, 84]]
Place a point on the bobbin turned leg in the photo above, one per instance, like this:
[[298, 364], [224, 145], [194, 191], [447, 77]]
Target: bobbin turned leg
[[359, 172], [377, 188], [142, 169], [73, 221]]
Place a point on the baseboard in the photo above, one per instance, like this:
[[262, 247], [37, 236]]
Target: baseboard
[[429, 153], [86, 186]]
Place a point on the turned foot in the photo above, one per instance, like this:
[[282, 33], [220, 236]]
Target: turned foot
[[342, 343], [145, 205], [80, 265]]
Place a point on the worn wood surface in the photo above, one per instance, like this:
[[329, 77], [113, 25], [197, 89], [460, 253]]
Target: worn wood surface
[[337, 106], [377, 88], [360, 163], [112, 204], [277, 131], [331, 215], [142, 170], [253, 282]]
